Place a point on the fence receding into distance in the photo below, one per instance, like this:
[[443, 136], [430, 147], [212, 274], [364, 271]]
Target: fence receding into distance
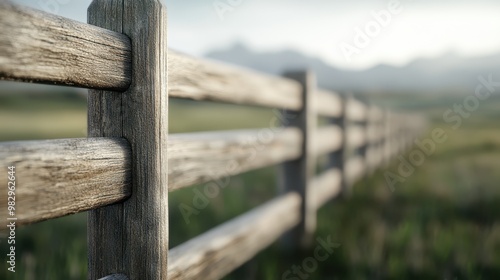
[[123, 172]]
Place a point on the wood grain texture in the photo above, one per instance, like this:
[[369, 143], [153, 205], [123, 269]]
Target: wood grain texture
[[197, 79], [327, 139], [132, 238], [105, 233], [217, 252], [60, 177], [206, 156], [36, 46], [326, 186], [297, 173], [328, 103], [40, 47]]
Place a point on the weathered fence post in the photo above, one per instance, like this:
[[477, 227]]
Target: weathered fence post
[[131, 238], [297, 173]]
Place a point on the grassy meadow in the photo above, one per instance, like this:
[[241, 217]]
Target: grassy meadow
[[441, 223]]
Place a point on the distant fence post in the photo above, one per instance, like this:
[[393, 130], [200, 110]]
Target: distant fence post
[[396, 135], [363, 151], [131, 238], [297, 173], [387, 142], [380, 131], [338, 158], [349, 149], [369, 141]]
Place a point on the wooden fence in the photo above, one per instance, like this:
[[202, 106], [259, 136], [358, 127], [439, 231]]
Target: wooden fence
[[123, 172]]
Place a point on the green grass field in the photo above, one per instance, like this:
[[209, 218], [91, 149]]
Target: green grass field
[[441, 223]]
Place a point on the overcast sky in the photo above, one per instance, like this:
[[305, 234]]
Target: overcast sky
[[326, 28]]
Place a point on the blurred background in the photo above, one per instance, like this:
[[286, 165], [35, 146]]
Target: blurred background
[[424, 56]]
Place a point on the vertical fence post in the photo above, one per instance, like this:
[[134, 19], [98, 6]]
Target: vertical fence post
[[369, 142], [337, 159], [349, 150], [396, 135], [131, 238], [298, 173], [364, 149], [387, 138], [380, 137]]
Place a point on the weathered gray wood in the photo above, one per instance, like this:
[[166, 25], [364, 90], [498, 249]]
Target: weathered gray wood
[[197, 79], [60, 177], [105, 233], [40, 47], [328, 104], [327, 139], [201, 157], [36, 46], [326, 186], [296, 174], [132, 238], [217, 252]]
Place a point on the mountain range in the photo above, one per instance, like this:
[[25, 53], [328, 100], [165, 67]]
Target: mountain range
[[449, 72]]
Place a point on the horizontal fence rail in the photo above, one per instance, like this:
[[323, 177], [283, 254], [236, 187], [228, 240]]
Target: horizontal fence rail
[[201, 157], [328, 104], [41, 47], [128, 172], [327, 139], [326, 186], [219, 251], [65, 166], [61, 177], [197, 79]]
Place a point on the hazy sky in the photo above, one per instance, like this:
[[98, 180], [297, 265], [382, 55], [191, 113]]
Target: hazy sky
[[326, 28]]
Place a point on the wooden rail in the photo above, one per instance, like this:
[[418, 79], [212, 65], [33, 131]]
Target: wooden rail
[[61, 177], [40, 47], [201, 157], [217, 252], [124, 171]]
